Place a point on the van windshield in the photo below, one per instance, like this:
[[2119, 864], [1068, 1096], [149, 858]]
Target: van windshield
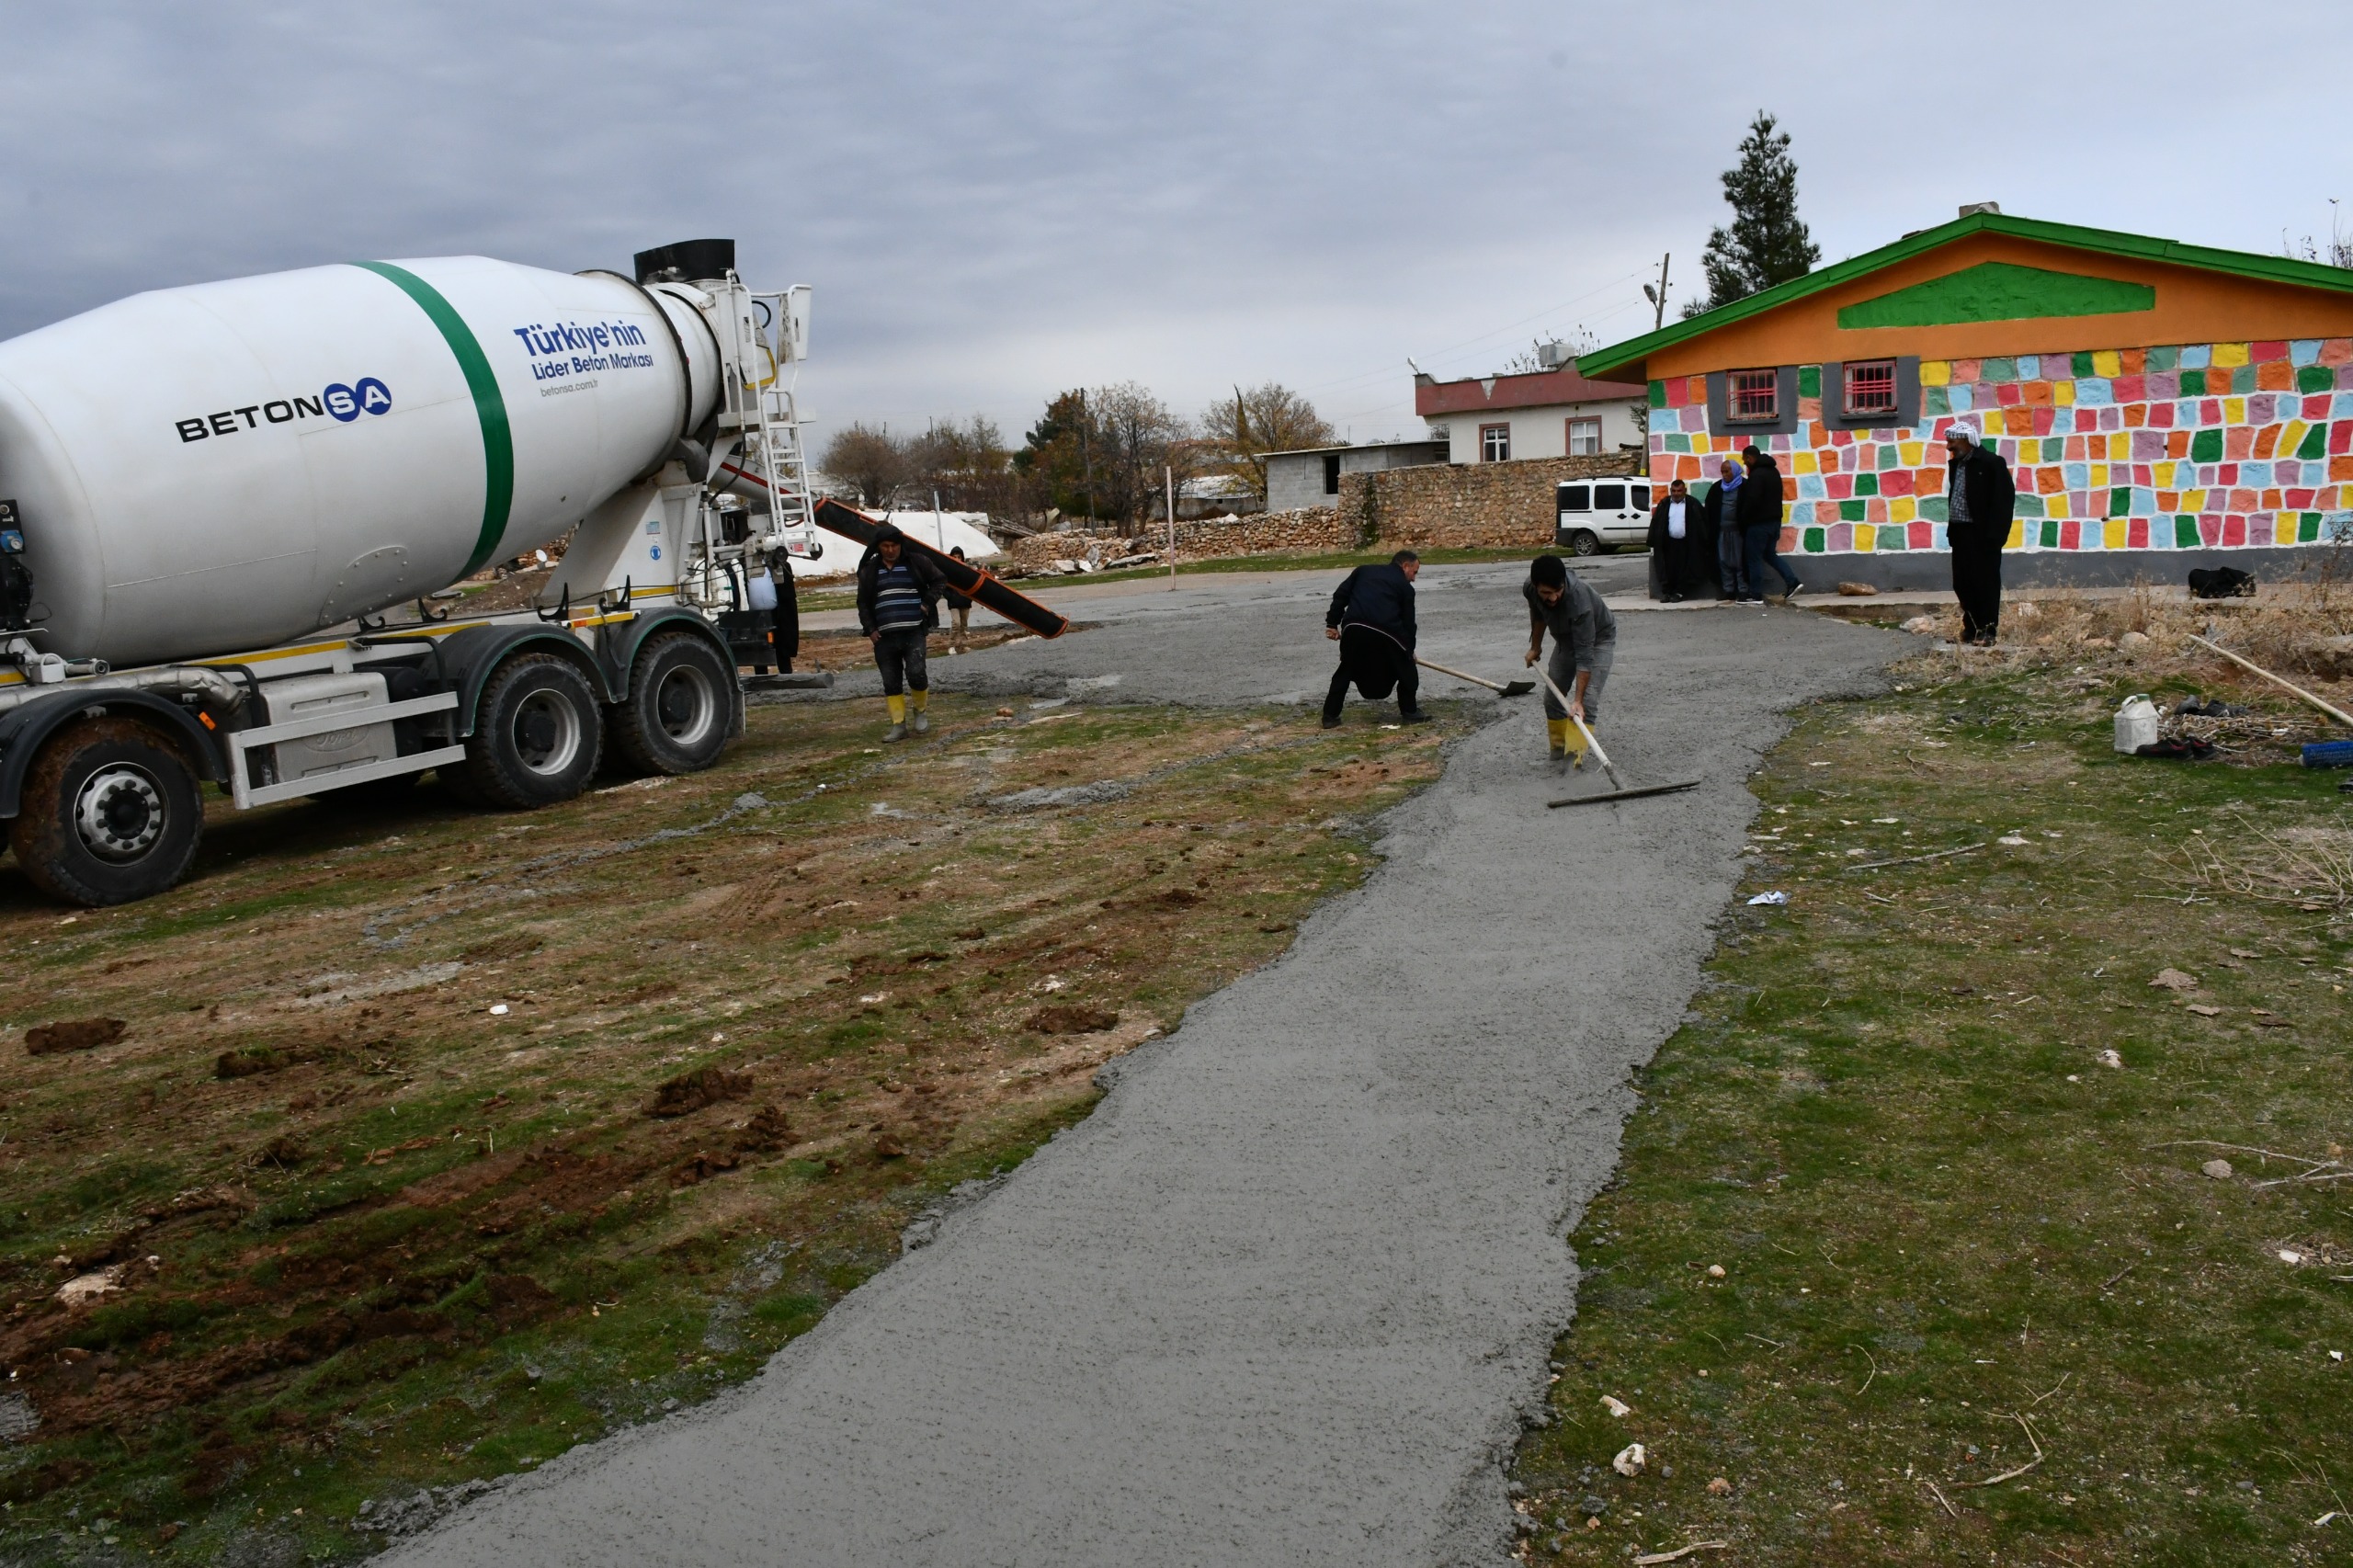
[[1608, 497], [1576, 498]]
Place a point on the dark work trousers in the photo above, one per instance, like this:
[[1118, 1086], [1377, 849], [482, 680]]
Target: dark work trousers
[[1977, 583], [1377, 664], [1730, 571], [1764, 549], [900, 656], [786, 636]]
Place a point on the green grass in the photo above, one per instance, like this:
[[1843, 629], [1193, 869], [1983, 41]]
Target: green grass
[[1936, 1211]]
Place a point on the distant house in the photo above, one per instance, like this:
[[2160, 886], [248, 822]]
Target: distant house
[[1212, 495], [1311, 477], [1545, 413]]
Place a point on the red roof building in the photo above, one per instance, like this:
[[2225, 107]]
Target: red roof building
[[1543, 414]]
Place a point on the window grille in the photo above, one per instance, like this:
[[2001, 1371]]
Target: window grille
[[1755, 394], [1871, 387]]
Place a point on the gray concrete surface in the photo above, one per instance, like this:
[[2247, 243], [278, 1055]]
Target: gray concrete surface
[[1287, 1296]]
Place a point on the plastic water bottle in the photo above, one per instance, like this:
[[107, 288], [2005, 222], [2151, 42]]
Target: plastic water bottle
[[2136, 725]]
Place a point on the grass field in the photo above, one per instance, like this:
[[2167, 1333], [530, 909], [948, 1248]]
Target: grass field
[[413, 1146], [1912, 1258]]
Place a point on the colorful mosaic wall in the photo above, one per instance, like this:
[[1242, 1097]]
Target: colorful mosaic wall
[[2211, 445]]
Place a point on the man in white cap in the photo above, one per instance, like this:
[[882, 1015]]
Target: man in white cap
[[1978, 499]]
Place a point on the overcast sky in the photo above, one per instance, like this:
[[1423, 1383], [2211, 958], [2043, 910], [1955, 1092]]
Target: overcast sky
[[994, 202]]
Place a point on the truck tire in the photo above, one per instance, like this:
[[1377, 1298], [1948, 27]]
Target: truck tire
[[675, 718], [1585, 541], [537, 731], [110, 813]]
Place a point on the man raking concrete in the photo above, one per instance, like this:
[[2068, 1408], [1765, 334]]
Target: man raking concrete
[[1585, 644]]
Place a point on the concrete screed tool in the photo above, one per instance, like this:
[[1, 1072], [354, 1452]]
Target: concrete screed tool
[[1618, 791], [1506, 688]]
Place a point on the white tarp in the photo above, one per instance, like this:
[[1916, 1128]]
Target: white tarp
[[941, 530]]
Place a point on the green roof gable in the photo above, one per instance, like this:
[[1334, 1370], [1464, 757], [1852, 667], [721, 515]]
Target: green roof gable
[[1612, 362]]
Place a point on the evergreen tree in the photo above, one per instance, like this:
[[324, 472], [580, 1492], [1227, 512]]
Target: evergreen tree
[[1767, 242]]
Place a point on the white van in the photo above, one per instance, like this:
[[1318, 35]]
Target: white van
[[1597, 515]]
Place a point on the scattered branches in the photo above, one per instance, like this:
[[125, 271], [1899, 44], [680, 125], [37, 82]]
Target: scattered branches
[[1873, 1373], [2022, 1469], [1915, 859], [1654, 1557]]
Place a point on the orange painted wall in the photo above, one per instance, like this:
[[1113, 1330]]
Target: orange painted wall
[[2193, 306]]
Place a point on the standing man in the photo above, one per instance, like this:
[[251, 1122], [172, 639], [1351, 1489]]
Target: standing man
[[898, 605], [959, 612], [1680, 561], [784, 637], [1722, 516], [1371, 618], [1761, 498], [1979, 500], [1585, 644]]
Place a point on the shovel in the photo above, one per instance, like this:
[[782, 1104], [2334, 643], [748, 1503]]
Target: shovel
[[1510, 689], [1618, 791]]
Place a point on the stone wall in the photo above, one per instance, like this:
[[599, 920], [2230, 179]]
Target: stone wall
[[1506, 505], [1305, 528]]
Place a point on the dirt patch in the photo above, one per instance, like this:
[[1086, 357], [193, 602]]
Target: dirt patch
[[690, 1092], [77, 1034], [1071, 1019]]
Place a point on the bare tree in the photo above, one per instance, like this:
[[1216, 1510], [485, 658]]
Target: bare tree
[[871, 458], [1138, 436], [1241, 430]]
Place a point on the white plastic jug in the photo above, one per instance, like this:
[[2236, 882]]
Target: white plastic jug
[[2136, 725]]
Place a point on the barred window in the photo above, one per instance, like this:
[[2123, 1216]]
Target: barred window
[[1755, 394], [1871, 387]]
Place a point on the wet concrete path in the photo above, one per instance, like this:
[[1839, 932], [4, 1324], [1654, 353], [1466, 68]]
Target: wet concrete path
[[1286, 1295]]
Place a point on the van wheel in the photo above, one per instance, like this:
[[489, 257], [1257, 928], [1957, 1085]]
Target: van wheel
[[110, 813], [675, 719], [1585, 541], [537, 731]]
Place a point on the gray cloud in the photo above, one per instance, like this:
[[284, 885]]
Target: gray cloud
[[995, 202]]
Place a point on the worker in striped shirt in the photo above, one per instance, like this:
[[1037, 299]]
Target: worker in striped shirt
[[898, 606]]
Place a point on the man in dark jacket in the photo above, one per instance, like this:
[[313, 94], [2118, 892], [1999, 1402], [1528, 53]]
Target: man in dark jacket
[[1682, 552], [898, 605], [1979, 500], [1371, 617], [1760, 508]]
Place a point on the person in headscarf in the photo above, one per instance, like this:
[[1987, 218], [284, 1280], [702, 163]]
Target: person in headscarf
[[1979, 500], [1721, 516], [1682, 556], [1585, 644], [1371, 618]]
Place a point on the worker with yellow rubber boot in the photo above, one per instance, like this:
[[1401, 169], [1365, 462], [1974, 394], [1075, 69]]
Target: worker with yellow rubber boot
[[1585, 643], [898, 606]]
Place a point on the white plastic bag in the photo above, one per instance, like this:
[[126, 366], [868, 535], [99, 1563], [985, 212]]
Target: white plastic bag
[[763, 592], [2136, 725]]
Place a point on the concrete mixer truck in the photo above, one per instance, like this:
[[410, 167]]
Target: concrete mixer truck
[[213, 498]]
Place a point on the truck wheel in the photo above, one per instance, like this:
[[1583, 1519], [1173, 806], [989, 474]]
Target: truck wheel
[[111, 813], [675, 718], [1585, 541], [537, 733]]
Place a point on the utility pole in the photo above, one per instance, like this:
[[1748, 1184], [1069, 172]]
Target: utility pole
[[1657, 297], [1168, 483]]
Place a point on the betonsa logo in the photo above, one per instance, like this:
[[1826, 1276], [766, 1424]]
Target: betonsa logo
[[340, 402]]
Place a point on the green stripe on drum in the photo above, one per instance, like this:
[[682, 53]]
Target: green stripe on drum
[[490, 406]]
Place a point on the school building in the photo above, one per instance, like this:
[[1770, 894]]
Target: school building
[[2161, 405]]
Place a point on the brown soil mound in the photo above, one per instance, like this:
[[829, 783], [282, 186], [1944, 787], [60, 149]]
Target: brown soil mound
[[75, 1034], [690, 1092], [1071, 1018]]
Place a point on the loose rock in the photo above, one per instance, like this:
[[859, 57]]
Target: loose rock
[[2219, 1169]]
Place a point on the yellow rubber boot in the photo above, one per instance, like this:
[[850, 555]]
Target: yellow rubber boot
[[1574, 743], [916, 701], [898, 708], [1557, 730]]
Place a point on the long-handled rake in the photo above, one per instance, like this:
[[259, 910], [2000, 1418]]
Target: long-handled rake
[[1617, 791], [1506, 688]]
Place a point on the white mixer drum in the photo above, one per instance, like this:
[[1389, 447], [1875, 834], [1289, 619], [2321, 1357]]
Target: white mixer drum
[[222, 467]]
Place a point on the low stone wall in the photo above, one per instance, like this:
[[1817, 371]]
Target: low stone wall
[[1308, 529], [1505, 506]]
